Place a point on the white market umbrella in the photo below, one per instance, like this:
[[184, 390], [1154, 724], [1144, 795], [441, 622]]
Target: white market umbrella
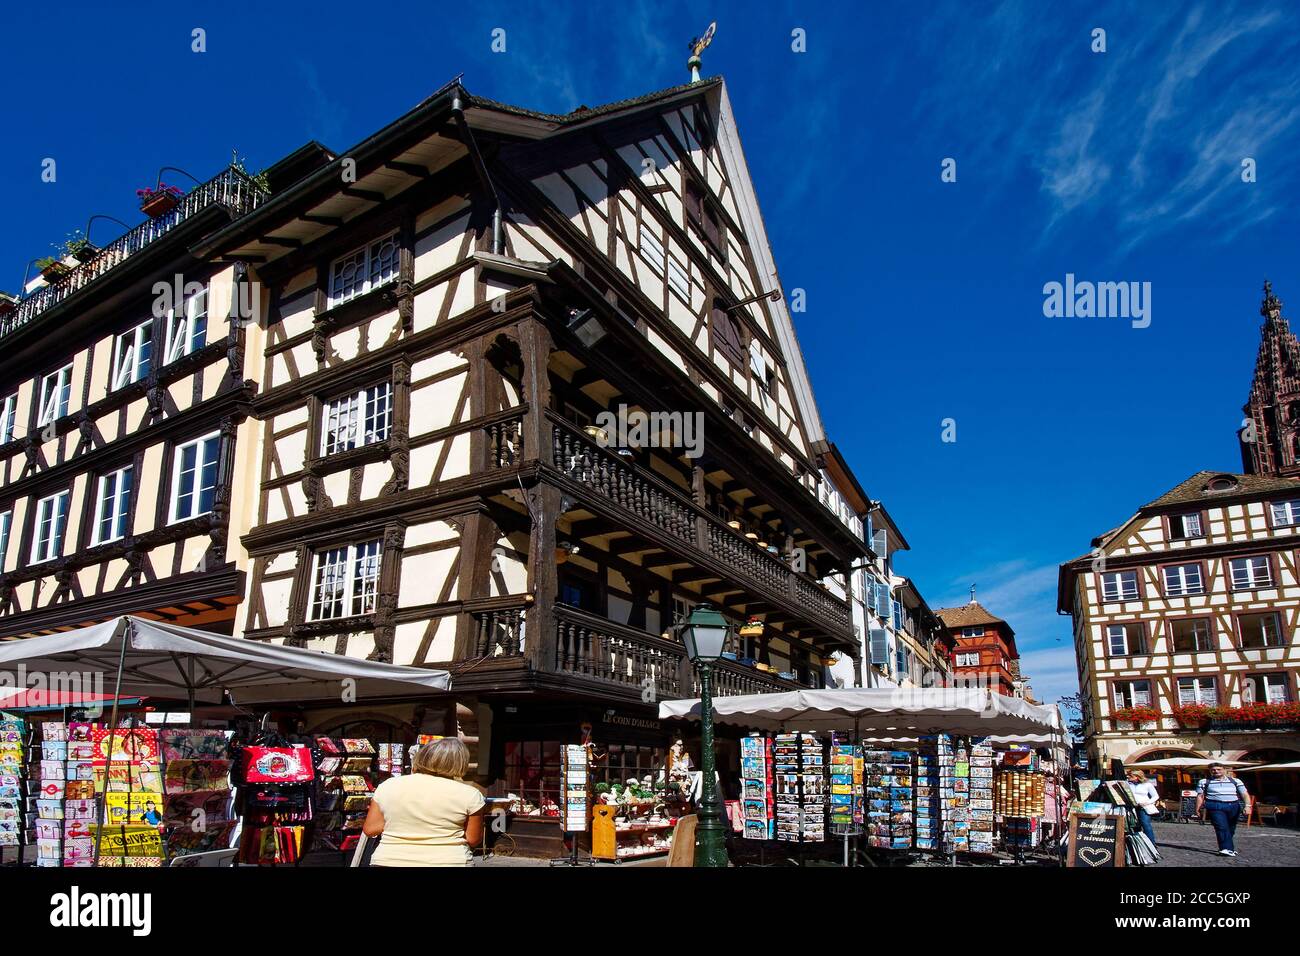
[[133, 657], [880, 711], [1174, 763], [1293, 765]]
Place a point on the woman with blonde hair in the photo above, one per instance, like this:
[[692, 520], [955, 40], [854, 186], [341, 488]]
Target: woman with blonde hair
[[429, 817]]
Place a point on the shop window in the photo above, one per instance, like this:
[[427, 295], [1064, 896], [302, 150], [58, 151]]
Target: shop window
[[532, 770], [622, 762]]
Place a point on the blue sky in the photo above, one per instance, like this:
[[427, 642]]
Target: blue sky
[[924, 297]]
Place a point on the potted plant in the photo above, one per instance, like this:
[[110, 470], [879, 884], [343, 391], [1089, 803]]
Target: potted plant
[[52, 270], [158, 202], [7, 303], [1127, 717], [79, 247], [1192, 716]]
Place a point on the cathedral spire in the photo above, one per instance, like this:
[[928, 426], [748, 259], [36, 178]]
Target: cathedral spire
[[1270, 433]]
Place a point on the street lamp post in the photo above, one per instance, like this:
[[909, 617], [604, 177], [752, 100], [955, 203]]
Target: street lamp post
[[705, 636]]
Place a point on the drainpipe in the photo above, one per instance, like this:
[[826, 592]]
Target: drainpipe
[[458, 110]]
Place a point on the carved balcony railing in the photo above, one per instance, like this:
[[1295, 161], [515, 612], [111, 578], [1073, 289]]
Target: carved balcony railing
[[733, 680], [655, 501], [505, 442], [590, 646], [499, 632], [231, 188]]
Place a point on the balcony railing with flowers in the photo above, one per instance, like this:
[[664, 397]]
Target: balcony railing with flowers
[[231, 188], [1262, 716]]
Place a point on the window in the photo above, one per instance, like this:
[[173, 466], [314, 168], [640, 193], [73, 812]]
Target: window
[[112, 506], [187, 327], [532, 769], [194, 477], [6, 521], [1120, 586], [1192, 635], [1131, 693], [51, 518], [1124, 640], [1183, 579], [968, 659], [1185, 526], [652, 250], [132, 352], [1266, 689], [358, 418], [727, 336], [364, 269], [702, 214], [1247, 573], [56, 389], [345, 581], [1286, 513], [1260, 630], [972, 632], [8, 413], [1198, 690]]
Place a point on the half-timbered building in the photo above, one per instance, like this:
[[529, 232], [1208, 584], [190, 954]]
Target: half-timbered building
[[1186, 616], [125, 401], [529, 391]]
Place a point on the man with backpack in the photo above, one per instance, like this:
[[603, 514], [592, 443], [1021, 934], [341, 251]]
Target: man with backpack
[[1224, 799]]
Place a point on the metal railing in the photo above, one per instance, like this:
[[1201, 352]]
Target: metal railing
[[230, 188]]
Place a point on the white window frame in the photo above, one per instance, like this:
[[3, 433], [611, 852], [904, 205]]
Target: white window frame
[[1184, 521], [1278, 629], [964, 659], [679, 279], [1131, 686], [127, 365], [51, 512], [1250, 573], [973, 631], [1276, 687], [113, 501], [375, 270], [351, 574], [6, 525], [55, 401], [1286, 513], [1113, 586], [356, 419], [1197, 692], [211, 440], [1121, 631], [652, 250], [1210, 637], [183, 333], [8, 417], [1179, 585]]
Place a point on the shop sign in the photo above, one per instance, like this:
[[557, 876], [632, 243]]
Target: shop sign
[[625, 720]]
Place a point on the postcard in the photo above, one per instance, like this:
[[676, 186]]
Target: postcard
[[182, 744], [188, 776]]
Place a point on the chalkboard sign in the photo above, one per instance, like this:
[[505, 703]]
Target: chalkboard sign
[[1096, 841]]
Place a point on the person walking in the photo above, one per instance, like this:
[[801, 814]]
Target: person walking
[[1223, 798], [1148, 800]]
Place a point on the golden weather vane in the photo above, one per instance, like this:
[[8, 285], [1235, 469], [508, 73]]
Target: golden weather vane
[[698, 46]]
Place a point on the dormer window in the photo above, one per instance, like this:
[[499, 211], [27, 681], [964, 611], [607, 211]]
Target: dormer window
[[1221, 483], [1182, 527]]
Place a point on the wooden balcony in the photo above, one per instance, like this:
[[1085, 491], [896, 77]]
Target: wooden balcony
[[661, 512], [231, 189]]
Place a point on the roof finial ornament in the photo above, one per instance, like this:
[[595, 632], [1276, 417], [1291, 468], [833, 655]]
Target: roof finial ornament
[[697, 46], [1271, 307], [972, 594]]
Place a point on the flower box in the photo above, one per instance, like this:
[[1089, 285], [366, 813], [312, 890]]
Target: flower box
[[156, 203], [52, 270]]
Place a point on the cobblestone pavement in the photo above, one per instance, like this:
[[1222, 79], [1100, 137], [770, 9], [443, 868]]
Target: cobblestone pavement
[[1192, 844]]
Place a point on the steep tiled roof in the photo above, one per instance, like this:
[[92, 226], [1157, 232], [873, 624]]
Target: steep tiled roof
[[968, 615], [1196, 489]]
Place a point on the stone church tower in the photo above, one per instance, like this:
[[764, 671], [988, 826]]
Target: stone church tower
[[1270, 433]]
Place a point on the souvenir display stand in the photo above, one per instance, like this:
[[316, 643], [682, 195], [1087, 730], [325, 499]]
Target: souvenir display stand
[[15, 803], [348, 769], [275, 783], [575, 777]]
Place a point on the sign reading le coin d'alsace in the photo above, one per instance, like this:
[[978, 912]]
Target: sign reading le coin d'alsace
[[1096, 841]]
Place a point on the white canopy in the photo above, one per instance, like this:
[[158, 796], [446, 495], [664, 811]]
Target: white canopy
[[878, 711], [165, 660], [1293, 765]]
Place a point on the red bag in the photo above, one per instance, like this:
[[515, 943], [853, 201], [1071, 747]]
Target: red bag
[[278, 765]]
